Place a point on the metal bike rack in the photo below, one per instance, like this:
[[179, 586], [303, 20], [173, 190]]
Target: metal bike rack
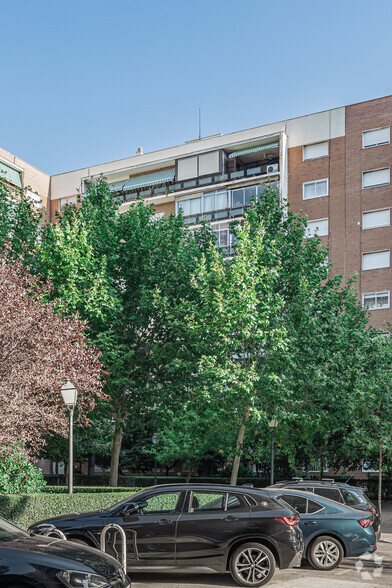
[[123, 543], [54, 533]]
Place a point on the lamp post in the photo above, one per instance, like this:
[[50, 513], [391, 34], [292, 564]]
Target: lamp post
[[273, 424], [155, 439], [70, 394]]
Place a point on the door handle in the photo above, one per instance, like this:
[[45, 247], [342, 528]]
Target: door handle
[[164, 522], [310, 523], [229, 518]]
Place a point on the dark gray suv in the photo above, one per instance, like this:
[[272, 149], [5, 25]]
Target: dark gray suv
[[353, 496]]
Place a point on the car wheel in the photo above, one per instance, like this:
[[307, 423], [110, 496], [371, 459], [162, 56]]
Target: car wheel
[[252, 564], [325, 553]]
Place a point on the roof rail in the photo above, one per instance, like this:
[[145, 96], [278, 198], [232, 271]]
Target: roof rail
[[297, 479], [327, 480]]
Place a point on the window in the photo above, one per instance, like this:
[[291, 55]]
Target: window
[[375, 300], [317, 227], [222, 234], [162, 503], [34, 198], [244, 196], [315, 151], [313, 507], [198, 165], [375, 137], [385, 335], [297, 502], [350, 498], [377, 177], [207, 501], [375, 260], [64, 202], [216, 200], [315, 189], [331, 493], [234, 502], [376, 218]]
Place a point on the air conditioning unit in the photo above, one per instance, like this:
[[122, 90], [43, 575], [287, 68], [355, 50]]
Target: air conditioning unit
[[272, 168]]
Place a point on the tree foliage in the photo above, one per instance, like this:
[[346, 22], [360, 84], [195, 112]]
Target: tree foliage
[[39, 351]]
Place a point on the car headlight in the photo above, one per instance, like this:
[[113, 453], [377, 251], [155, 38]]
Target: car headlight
[[82, 580]]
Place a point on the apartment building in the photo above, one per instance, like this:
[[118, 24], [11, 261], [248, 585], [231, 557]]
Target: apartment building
[[334, 166]]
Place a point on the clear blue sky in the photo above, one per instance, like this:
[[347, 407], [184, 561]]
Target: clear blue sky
[[88, 81]]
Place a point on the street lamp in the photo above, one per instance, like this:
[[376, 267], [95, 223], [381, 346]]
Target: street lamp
[[155, 439], [273, 424], [70, 394]]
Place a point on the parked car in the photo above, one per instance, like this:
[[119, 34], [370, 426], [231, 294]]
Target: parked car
[[331, 529], [354, 496], [47, 562], [226, 528]]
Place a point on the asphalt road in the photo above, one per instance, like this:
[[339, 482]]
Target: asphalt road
[[375, 572]]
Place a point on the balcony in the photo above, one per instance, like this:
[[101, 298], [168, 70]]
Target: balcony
[[250, 171]]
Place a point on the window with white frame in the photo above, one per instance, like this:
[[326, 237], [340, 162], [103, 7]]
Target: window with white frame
[[317, 227], [385, 335], [64, 202], [315, 151], [315, 189], [376, 218], [222, 234], [34, 198], [245, 196], [376, 260], [375, 137], [215, 200], [376, 300], [376, 177]]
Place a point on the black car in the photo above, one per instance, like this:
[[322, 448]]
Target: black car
[[353, 496], [243, 530], [47, 562]]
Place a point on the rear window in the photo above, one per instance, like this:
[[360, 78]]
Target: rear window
[[350, 498], [331, 493]]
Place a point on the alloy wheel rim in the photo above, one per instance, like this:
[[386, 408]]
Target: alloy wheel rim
[[327, 553], [253, 565]]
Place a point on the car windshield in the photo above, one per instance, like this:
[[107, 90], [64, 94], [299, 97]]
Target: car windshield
[[8, 531]]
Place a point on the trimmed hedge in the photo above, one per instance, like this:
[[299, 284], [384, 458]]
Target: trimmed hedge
[[88, 490], [25, 509], [145, 481]]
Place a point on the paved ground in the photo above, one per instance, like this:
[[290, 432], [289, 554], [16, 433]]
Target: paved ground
[[375, 572]]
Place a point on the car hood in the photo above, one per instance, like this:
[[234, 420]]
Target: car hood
[[63, 554], [71, 516]]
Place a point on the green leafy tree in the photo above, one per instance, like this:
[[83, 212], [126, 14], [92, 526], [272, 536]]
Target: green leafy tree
[[18, 475]]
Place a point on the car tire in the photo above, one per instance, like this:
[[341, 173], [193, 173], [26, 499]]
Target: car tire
[[325, 553], [252, 564]]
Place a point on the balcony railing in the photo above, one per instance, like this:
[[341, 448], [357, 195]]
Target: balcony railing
[[251, 171]]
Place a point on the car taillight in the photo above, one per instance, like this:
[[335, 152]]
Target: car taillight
[[365, 522], [371, 509], [289, 520]]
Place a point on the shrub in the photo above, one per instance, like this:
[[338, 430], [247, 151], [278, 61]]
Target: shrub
[[25, 509], [18, 474]]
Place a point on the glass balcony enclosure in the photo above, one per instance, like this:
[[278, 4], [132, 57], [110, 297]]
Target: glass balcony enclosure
[[219, 204]]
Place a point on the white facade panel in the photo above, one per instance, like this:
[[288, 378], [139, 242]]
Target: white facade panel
[[209, 163], [186, 169]]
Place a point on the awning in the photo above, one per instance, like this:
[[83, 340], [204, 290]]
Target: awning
[[159, 177], [11, 175], [253, 150]]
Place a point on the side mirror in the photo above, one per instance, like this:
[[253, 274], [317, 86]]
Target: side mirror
[[129, 509], [132, 508]]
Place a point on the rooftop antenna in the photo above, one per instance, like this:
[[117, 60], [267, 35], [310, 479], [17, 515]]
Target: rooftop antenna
[[199, 123]]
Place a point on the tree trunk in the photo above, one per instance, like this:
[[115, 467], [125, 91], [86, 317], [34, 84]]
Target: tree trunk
[[237, 458], [115, 459], [91, 464], [379, 480]]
